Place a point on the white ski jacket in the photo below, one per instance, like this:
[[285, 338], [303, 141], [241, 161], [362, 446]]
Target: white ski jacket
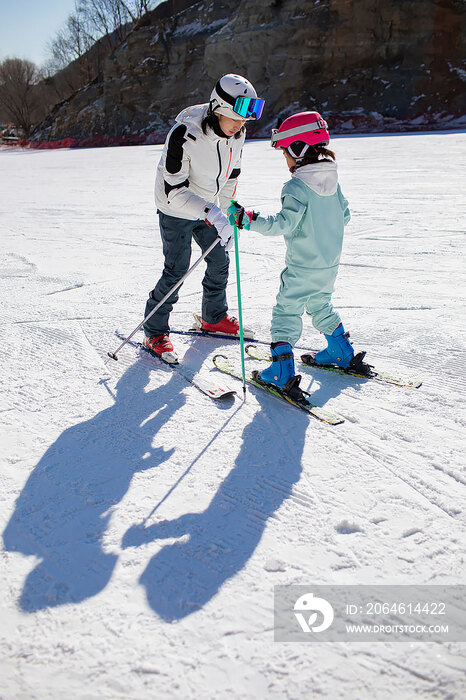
[[196, 169]]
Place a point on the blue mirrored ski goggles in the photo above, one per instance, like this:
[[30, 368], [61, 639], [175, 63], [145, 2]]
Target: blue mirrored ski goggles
[[249, 107]]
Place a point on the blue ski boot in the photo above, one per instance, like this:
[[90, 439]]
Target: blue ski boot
[[282, 368], [339, 351]]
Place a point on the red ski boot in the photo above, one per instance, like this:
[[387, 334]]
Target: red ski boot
[[162, 346], [227, 326]]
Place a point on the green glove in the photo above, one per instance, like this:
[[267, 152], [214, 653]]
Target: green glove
[[237, 216]]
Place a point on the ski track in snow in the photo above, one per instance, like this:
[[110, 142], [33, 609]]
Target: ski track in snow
[[145, 526]]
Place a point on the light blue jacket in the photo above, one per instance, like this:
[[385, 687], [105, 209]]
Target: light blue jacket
[[312, 219]]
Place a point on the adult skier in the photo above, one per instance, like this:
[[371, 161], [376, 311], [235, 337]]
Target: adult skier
[[195, 181]]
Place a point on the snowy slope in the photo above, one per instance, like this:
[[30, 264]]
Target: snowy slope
[[144, 526]]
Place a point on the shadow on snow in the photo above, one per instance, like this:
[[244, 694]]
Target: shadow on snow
[[63, 512], [64, 509], [217, 543]]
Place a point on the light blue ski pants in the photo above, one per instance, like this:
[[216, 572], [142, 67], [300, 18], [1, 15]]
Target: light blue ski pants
[[304, 290]]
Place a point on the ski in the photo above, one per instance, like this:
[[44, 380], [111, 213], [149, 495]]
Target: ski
[[264, 356], [197, 330], [210, 388], [224, 365], [211, 334], [257, 354]]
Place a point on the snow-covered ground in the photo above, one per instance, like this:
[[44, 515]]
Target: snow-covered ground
[[145, 526]]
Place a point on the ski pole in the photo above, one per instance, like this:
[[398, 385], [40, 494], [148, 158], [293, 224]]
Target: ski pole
[[240, 311], [114, 355]]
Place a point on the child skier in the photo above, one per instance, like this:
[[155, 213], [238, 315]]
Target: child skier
[[312, 219]]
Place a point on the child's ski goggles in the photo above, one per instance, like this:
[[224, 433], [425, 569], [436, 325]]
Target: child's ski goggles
[[249, 107]]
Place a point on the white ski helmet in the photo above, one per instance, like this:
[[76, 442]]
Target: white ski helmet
[[235, 97]]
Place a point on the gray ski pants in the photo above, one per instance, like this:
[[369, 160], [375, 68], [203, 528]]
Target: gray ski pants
[[176, 238]]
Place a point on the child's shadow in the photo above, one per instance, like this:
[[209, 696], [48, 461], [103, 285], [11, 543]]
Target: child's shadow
[[218, 542], [63, 510]]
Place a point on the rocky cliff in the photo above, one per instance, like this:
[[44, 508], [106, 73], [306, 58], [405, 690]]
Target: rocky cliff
[[369, 65]]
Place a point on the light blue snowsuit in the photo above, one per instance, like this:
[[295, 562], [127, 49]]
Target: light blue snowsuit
[[312, 219]]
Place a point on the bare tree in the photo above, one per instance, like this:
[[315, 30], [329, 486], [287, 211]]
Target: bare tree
[[18, 94], [76, 54], [72, 41], [106, 21], [89, 35], [110, 17], [105, 18], [137, 8]]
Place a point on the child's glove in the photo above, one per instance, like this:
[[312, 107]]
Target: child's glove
[[238, 216]]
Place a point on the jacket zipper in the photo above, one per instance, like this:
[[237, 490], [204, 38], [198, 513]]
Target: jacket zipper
[[220, 165], [229, 162]]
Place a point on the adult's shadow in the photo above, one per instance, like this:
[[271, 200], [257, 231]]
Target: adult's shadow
[[218, 542], [63, 510]]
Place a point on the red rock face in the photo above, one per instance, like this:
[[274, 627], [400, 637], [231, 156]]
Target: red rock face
[[369, 66]]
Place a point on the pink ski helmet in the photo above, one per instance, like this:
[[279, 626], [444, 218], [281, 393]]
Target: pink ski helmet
[[299, 132]]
